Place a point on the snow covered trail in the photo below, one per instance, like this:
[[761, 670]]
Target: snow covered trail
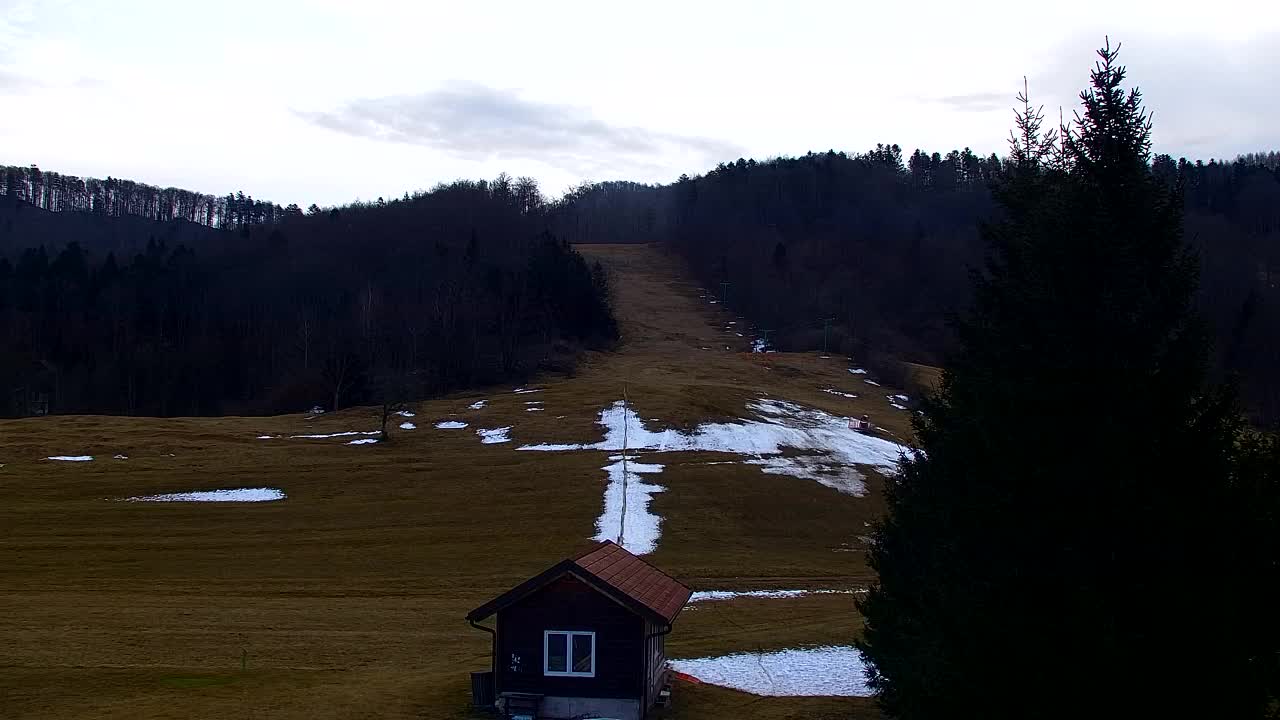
[[821, 448], [826, 450], [626, 518]]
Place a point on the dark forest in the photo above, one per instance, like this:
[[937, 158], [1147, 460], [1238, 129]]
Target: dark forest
[[117, 312], [122, 297], [884, 247]]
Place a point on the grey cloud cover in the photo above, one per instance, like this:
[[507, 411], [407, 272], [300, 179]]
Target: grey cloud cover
[[1207, 100], [978, 102], [15, 81], [474, 121]]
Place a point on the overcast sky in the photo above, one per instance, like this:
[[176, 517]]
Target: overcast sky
[[329, 100]]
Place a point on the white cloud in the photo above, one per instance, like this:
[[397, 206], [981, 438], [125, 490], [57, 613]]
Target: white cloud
[[209, 98], [477, 122]]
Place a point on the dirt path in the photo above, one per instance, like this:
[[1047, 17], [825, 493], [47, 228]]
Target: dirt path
[[346, 599]]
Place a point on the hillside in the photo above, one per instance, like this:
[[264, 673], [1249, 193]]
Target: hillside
[[413, 298], [877, 248], [23, 225], [346, 598]]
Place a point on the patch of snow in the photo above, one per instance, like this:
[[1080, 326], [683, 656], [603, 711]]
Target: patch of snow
[[838, 671], [871, 382], [733, 322], [266, 437], [857, 371], [450, 425], [900, 398], [738, 334], [477, 405], [553, 447], [834, 391], [317, 410], [71, 458], [816, 468], [363, 441], [832, 450], [494, 435], [533, 402], [714, 302], [534, 409], [408, 426], [896, 405], [626, 517], [404, 413], [261, 494], [119, 457], [711, 595], [334, 435], [526, 391]]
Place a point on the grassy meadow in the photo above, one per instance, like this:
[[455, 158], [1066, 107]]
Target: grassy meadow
[[346, 600]]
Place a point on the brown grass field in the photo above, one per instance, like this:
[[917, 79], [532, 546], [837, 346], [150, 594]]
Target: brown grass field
[[346, 600]]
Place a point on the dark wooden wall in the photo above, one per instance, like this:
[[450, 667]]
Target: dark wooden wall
[[570, 604], [656, 659]]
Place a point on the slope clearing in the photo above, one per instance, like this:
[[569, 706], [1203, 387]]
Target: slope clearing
[[346, 598]]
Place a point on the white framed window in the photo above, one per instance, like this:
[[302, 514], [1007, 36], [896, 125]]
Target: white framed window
[[569, 653]]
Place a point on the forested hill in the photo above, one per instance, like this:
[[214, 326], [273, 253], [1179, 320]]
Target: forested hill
[[23, 225], [116, 197], [458, 286], [882, 246]]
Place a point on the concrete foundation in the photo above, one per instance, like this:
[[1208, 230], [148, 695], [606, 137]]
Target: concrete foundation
[[572, 707]]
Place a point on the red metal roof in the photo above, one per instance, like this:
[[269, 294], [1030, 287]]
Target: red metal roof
[[628, 574], [614, 572]]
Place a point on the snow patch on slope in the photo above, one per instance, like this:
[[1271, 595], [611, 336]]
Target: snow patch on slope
[[494, 435], [714, 595], [232, 495], [626, 517], [822, 671]]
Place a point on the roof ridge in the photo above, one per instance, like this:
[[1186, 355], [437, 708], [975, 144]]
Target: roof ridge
[[606, 543]]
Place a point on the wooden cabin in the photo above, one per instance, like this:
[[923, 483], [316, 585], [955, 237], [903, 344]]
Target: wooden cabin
[[585, 638]]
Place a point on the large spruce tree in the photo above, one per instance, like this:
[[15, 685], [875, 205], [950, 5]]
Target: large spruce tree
[[1088, 531]]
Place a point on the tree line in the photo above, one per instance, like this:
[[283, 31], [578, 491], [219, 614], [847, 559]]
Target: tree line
[[116, 197], [458, 286], [883, 247]]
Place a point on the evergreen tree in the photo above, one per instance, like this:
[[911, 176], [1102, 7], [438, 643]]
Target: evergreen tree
[[1087, 531]]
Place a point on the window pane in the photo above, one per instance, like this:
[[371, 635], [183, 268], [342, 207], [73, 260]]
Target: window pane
[[582, 653], [557, 652]]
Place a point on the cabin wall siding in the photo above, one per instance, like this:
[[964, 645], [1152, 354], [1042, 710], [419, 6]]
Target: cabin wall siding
[[570, 604], [656, 660]]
